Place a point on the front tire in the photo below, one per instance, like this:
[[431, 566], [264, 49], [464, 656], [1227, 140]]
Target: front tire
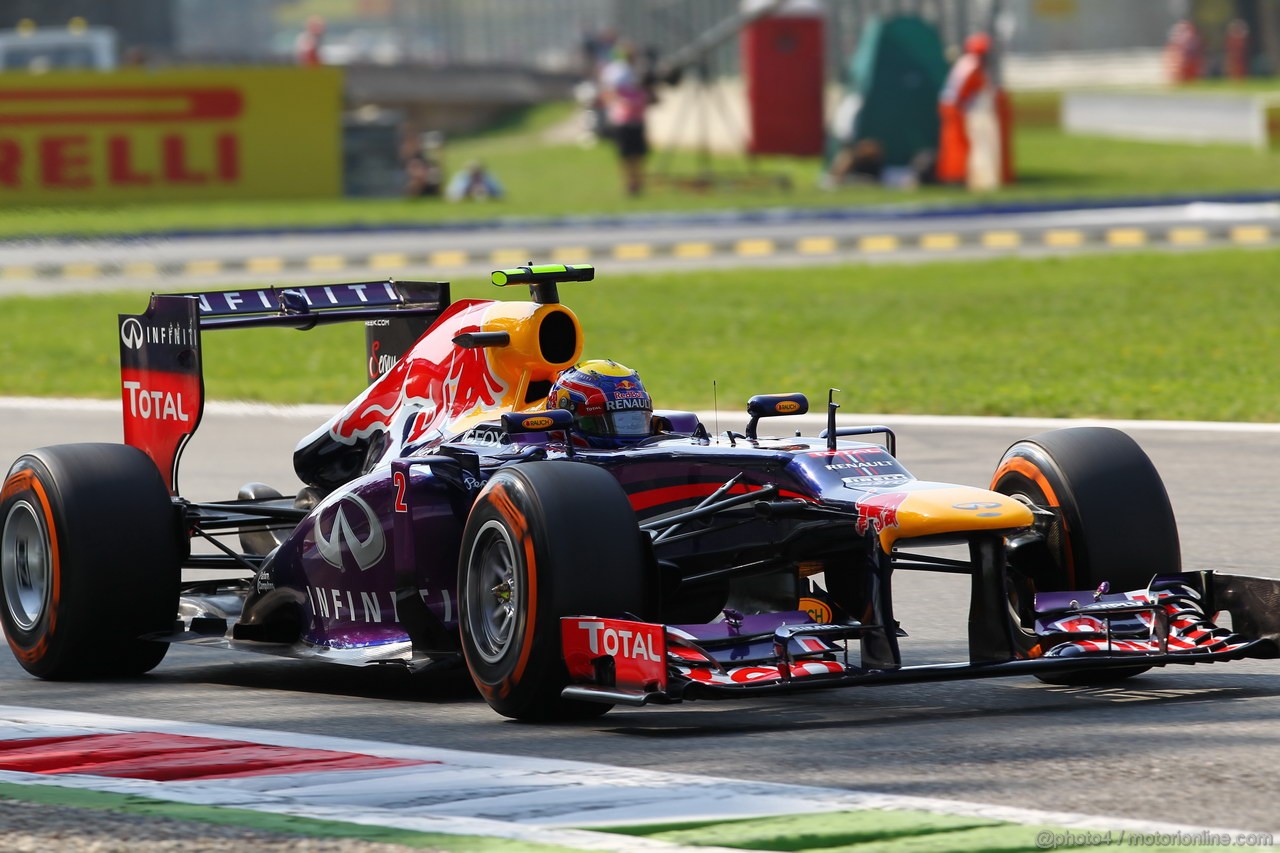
[[544, 540], [90, 559], [1112, 521]]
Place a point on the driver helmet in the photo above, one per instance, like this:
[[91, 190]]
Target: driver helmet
[[609, 404]]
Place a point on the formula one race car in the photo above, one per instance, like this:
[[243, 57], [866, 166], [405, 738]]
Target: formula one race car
[[455, 511]]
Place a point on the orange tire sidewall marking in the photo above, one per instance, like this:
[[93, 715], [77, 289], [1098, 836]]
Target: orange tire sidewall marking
[[501, 501], [26, 481], [19, 482], [1027, 468]]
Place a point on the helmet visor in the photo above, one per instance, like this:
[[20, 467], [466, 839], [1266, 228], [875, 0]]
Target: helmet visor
[[628, 424]]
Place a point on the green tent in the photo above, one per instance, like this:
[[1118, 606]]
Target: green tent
[[898, 71]]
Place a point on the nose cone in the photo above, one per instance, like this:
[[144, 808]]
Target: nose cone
[[931, 509]]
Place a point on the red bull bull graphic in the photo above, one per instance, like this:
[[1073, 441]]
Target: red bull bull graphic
[[445, 384], [878, 512], [436, 385]]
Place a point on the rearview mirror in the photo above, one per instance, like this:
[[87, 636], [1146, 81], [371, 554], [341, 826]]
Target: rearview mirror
[[772, 406], [552, 419]]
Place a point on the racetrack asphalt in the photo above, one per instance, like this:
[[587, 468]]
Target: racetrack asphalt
[[1193, 746]]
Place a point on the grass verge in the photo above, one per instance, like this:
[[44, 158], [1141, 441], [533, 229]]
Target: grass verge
[[1180, 336], [543, 178], [909, 832]]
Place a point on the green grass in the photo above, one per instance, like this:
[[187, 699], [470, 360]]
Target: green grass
[[1184, 336], [870, 830], [1052, 164], [1251, 86], [545, 179]]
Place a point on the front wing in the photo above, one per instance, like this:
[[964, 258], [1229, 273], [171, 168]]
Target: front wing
[[1172, 621]]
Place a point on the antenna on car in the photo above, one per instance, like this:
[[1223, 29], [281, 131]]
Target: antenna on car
[[715, 405], [832, 405]]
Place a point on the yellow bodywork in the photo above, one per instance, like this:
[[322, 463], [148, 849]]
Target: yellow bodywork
[[520, 362], [932, 509]]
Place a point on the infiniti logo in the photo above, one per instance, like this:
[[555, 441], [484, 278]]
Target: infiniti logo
[[131, 333], [367, 552]]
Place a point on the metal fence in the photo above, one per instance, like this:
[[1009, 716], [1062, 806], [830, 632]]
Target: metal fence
[[551, 34], [547, 34]]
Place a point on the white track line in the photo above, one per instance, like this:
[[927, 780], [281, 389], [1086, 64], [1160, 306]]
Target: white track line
[[323, 411], [503, 795]]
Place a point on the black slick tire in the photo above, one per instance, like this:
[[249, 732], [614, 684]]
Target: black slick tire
[[1112, 519], [544, 540], [90, 560]]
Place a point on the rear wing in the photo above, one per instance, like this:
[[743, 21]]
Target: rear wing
[[307, 306], [161, 372]]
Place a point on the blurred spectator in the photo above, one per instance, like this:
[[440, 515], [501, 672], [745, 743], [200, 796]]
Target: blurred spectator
[[597, 51], [626, 99], [1236, 45], [423, 165], [862, 162], [423, 177], [1184, 53], [307, 47], [473, 182], [973, 145]]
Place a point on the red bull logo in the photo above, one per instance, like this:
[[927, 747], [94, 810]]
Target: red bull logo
[[433, 385], [878, 512], [625, 385]]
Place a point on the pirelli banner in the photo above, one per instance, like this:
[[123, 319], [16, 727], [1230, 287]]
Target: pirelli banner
[[187, 134]]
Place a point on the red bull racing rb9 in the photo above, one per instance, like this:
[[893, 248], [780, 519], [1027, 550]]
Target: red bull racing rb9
[[493, 501]]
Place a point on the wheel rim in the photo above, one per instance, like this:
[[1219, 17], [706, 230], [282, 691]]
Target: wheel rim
[[493, 591], [25, 565]]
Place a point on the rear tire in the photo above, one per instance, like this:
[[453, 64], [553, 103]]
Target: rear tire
[[90, 559], [1113, 521], [544, 540]]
